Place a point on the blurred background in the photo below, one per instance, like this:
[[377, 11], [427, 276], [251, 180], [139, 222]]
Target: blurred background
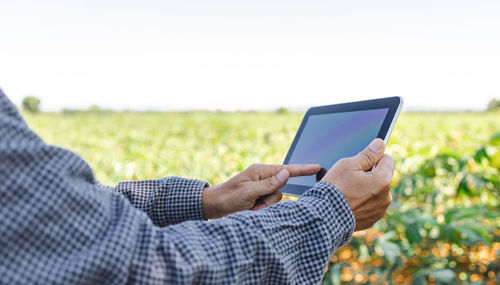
[[203, 89], [240, 55]]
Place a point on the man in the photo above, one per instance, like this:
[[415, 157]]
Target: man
[[59, 225]]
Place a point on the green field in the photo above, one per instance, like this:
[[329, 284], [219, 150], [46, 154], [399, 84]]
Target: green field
[[443, 226]]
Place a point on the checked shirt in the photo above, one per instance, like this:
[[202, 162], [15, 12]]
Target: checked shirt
[[59, 225]]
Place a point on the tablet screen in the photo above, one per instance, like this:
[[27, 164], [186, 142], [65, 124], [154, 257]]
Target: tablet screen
[[347, 134]]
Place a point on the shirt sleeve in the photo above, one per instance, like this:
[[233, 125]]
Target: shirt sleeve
[[59, 227], [167, 201]]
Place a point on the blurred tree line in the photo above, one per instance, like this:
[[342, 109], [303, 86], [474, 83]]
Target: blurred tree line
[[494, 105], [31, 104]]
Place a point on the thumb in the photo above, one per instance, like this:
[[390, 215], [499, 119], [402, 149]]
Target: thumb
[[370, 155], [272, 184]]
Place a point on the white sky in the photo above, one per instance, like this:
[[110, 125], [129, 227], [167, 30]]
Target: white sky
[[249, 54]]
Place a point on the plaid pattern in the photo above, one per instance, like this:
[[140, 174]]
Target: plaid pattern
[[58, 225], [167, 201]]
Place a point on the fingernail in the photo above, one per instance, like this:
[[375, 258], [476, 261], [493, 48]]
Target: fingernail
[[282, 175], [376, 145]]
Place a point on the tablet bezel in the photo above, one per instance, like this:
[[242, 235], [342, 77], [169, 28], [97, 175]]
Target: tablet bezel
[[394, 104]]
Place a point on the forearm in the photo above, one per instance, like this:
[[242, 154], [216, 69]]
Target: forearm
[[94, 236], [290, 242], [167, 201]]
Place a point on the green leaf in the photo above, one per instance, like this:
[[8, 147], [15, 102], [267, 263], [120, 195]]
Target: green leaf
[[483, 232], [495, 140], [463, 188], [420, 276], [448, 216], [412, 234], [443, 275], [449, 234], [387, 236], [468, 234], [391, 250], [333, 275], [458, 214], [480, 154], [363, 253]]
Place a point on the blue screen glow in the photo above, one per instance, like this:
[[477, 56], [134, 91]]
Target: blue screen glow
[[327, 138]]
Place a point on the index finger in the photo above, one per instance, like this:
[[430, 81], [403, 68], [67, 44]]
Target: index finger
[[263, 171], [302, 169]]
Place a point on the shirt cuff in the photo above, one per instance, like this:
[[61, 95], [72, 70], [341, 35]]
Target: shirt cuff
[[334, 209], [182, 200]]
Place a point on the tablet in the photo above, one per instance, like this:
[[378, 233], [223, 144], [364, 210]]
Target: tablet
[[329, 133]]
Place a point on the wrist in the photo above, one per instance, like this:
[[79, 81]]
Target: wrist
[[209, 203]]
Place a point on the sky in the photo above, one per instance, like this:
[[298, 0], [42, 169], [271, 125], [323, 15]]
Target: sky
[[250, 55]]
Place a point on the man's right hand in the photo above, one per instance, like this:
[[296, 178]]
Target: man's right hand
[[367, 193]]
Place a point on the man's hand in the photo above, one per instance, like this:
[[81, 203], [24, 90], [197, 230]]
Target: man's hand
[[256, 187], [367, 193]]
